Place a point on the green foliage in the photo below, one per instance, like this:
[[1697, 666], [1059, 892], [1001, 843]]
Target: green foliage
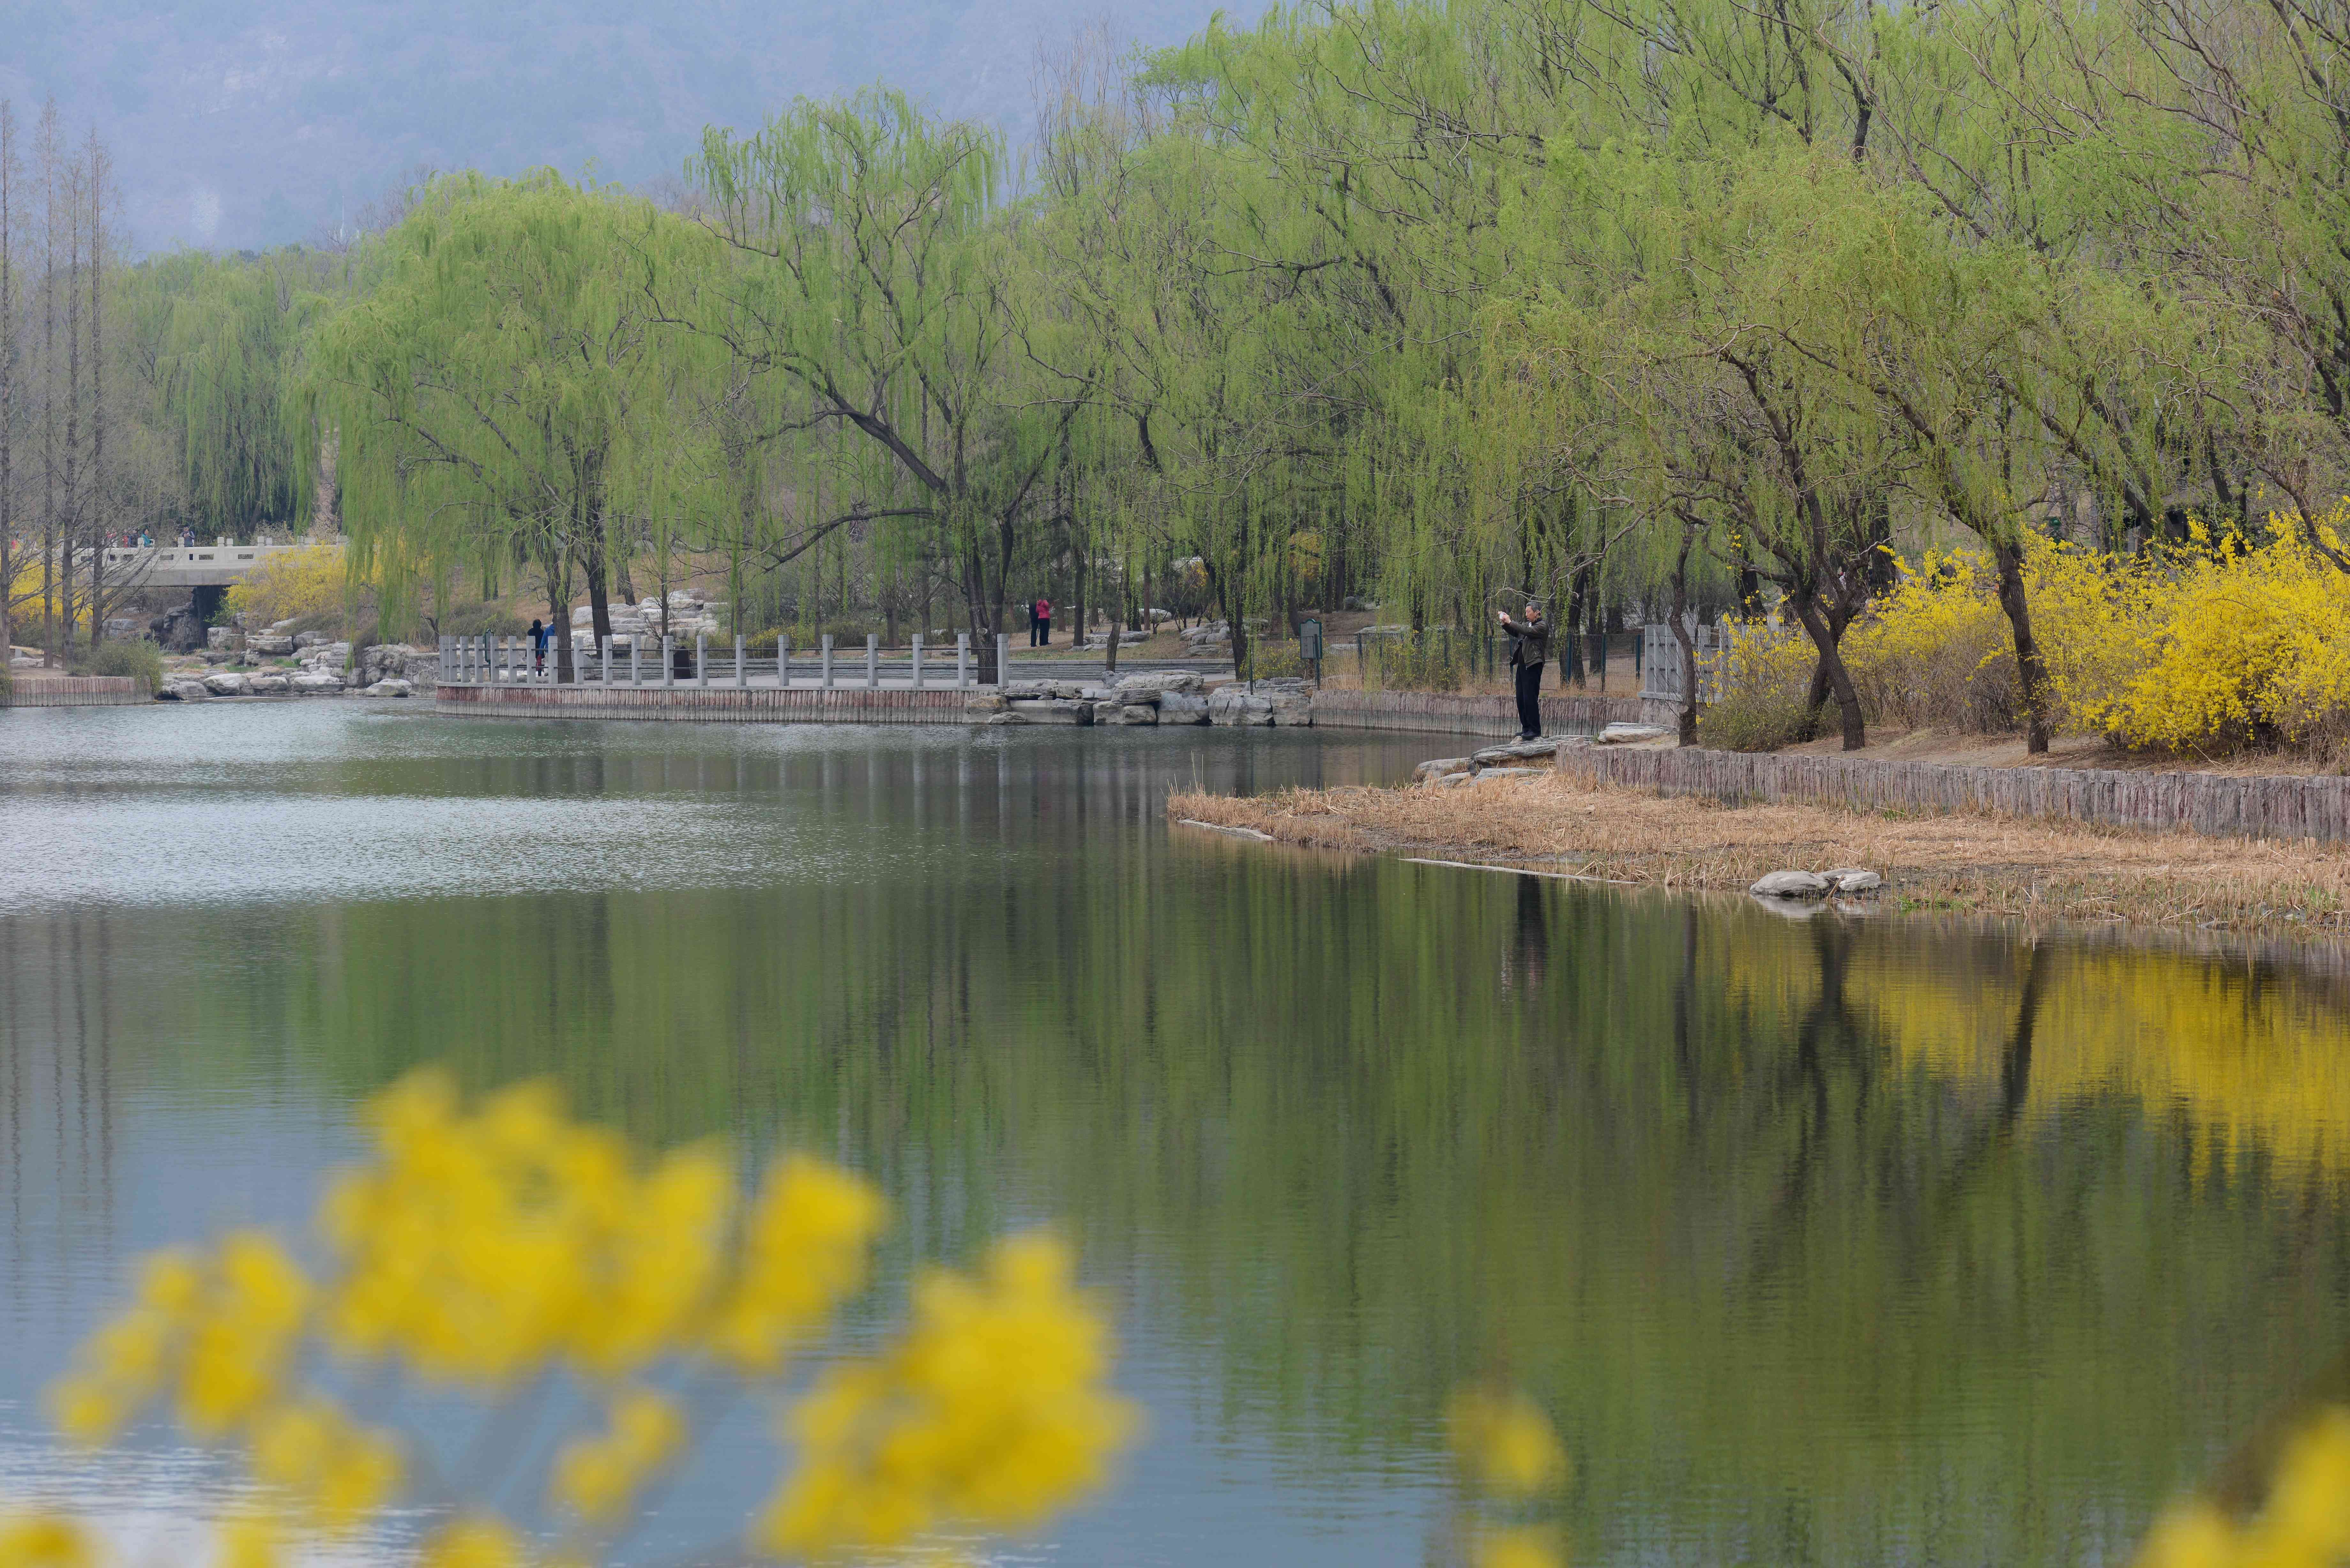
[[137, 658]]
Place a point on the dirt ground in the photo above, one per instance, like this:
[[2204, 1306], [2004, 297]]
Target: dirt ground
[[1541, 820]]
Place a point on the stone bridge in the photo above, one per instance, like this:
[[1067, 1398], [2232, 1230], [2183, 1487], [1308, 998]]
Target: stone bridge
[[174, 567]]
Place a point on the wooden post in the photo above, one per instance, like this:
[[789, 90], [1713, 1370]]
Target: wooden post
[[918, 662], [701, 660], [741, 680], [963, 661], [872, 661], [825, 661]]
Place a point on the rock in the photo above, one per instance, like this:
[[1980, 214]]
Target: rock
[[1051, 710], [390, 688], [269, 646], [1183, 708], [178, 630], [1853, 880], [265, 685], [1622, 734], [1293, 710], [183, 690], [311, 684], [312, 639], [1137, 713], [1108, 711], [984, 702], [1791, 884], [226, 683], [1003, 719], [220, 637], [1150, 685], [1234, 707], [1441, 767], [1519, 774], [1515, 752]]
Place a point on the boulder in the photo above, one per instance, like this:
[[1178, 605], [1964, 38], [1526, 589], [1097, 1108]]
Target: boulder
[[268, 645], [1183, 708], [1791, 884], [1235, 707], [225, 683], [1110, 712], [265, 685], [178, 630], [184, 689], [1292, 709], [312, 639], [1853, 880], [310, 683], [394, 687], [1623, 735], [1137, 713], [1150, 685], [1051, 710], [1441, 767], [221, 636], [1515, 752]]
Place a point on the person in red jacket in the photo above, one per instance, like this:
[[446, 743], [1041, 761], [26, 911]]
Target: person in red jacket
[[1042, 636]]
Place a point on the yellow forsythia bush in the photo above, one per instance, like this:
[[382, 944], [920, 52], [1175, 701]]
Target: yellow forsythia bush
[[2191, 650], [490, 1249], [307, 582], [2234, 646]]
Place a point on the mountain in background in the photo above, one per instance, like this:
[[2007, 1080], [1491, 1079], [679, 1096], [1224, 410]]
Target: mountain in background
[[245, 123]]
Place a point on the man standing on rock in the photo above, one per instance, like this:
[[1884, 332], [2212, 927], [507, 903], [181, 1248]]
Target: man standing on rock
[[1529, 651]]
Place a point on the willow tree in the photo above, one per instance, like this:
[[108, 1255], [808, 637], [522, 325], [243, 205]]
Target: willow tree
[[216, 341], [502, 390], [879, 301]]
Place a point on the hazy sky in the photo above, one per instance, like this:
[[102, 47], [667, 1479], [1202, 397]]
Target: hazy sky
[[238, 123]]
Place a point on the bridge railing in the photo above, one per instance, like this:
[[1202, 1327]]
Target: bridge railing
[[491, 660]]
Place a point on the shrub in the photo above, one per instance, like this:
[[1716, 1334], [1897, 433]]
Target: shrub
[[310, 582], [1763, 676], [140, 659], [2232, 646], [1419, 661]]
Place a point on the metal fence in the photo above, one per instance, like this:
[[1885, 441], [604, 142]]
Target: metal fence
[[1660, 663]]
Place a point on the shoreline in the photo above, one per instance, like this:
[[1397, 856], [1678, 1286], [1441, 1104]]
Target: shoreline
[[1972, 863]]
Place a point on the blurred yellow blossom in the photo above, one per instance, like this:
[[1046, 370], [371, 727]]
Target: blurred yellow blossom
[[2306, 1523], [490, 1248], [1524, 1546], [595, 1477], [1506, 1442], [477, 1540], [804, 1251], [44, 1541], [990, 1410]]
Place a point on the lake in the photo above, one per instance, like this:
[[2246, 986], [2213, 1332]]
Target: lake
[[1824, 1241]]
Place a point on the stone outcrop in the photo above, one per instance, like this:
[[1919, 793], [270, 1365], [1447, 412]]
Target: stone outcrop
[[178, 630], [1791, 884]]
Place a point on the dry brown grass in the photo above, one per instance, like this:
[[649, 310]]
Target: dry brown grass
[[1975, 862]]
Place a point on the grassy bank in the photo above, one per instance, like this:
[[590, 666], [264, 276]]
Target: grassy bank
[[1973, 864]]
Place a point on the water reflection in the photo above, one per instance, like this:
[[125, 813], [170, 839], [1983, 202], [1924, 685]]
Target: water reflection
[[1831, 1242]]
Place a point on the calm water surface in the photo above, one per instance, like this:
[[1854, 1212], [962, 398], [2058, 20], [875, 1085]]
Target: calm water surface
[[1828, 1243]]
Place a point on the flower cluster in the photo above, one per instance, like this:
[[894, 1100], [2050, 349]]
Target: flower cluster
[[2305, 1523], [1509, 1453], [990, 1409], [489, 1249]]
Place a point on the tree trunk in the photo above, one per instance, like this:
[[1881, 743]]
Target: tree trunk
[[1824, 637], [97, 393], [2031, 671], [1687, 734], [558, 612]]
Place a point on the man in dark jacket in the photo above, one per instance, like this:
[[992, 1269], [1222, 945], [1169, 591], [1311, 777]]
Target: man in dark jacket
[[1529, 651]]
